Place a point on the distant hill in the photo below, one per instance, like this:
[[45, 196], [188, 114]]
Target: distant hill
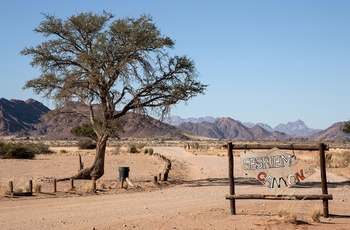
[[20, 117], [296, 128], [228, 128], [332, 133], [25, 118], [177, 120], [292, 128]]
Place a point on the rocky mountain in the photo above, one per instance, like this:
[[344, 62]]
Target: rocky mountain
[[332, 133], [177, 120], [296, 128], [20, 117], [136, 126], [228, 128], [25, 118], [292, 128]]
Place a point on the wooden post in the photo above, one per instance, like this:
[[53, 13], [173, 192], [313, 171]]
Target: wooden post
[[93, 185], [122, 180], [30, 186], [324, 179], [165, 177], [231, 178], [54, 185], [160, 177], [71, 183], [11, 187]]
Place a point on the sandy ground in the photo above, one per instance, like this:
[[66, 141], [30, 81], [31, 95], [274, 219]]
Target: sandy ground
[[193, 198]]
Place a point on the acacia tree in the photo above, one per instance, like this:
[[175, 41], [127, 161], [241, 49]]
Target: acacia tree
[[122, 65], [346, 128]]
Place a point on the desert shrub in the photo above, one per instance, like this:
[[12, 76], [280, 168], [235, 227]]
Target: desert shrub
[[315, 215], [19, 190], [329, 160], [86, 144], [4, 190], [63, 151], [148, 151], [16, 151], [342, 159], [39, 148], [287, 215], [140, 145], [116, 151], [37, 188], [132, 148]]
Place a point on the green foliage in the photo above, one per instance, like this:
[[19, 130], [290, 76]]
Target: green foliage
[[15, 151], [121, 63], [85, 130], [86, 144], [133, 148], [346, 128], [39, 148], [126, 65], [148, 151]]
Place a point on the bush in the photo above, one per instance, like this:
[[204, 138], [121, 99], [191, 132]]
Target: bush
[[86, 144], [343, 159], [133, 148], [39, 148], [148, 151], [329, 160], [16, 151]]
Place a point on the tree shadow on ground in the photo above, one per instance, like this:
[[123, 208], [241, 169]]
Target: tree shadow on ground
[[242, 181], [339, 216], [217, 182]]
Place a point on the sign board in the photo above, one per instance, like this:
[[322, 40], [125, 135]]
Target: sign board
[[275, 169]]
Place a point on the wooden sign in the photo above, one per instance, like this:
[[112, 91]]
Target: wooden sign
[[275, 169]]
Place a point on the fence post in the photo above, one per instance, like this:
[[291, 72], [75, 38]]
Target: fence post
[[30, 186], [54, 185], [122, 180], [231, 177], [324, 179], [93, 185], [71, 183], [11, 187]]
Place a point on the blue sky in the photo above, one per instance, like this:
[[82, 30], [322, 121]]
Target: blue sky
[[265, 61]]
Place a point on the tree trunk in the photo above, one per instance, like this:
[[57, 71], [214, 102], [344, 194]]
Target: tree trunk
[[96, 171]]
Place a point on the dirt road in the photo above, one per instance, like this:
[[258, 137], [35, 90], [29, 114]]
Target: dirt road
[[196, 203]]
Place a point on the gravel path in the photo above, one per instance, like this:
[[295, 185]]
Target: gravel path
[[198, 204]]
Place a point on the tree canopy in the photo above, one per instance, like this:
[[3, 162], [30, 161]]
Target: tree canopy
[[122, 65], [346, 128]]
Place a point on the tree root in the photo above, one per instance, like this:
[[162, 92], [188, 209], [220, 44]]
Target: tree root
[[84, 174]]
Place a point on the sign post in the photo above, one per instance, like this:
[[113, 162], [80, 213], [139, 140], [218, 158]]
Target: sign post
[[277, 170]]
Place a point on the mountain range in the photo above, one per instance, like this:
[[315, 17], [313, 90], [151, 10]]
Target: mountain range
[[26, 118], [291, 128]]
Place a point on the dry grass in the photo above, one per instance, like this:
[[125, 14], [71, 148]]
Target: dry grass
[[315, 215]]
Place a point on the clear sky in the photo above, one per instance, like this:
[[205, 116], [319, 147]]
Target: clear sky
[[265, 61]]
